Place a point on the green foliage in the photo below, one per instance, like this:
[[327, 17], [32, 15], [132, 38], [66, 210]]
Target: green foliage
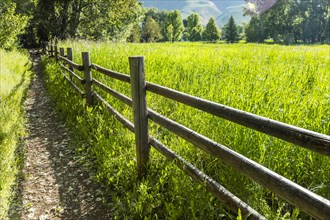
[[212, 32], [194, 27], [109, 148], [135, 36], [174, 18], [151, 30], [15, 77], [159, 17], [106, 20], [169, 33], [88, 19], [292, 21], [285, 83], [11, 26], [230, 31], [254, 31]]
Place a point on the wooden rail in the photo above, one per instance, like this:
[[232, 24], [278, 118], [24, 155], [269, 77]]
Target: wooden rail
[[71, 63], [71, 73], [111, 73], [309, 202], [228, 198], [311, 140]]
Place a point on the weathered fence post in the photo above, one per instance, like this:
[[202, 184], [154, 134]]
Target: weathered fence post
[[62, 51], [87, 77], [138, 85], [70, 57]]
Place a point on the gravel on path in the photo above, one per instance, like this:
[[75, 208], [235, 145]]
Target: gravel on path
[[54, 185]]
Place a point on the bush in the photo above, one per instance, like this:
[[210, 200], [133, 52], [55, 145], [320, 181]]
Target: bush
[[11, 25]]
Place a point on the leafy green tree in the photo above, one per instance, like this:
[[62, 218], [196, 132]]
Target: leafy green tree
[[290, 21], [109, 20], [11, 26], [135, 36], [174, 18], [169, 33], [151, 30], [212, 32], [230, 31], [194, 27], [88, 19], [254, 31], [160, 18]]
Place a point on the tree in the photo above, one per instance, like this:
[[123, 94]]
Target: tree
[[135, 36], [212, 31], [11, 26], [88, 19], [151, 30], [194, 27], [289, 21], [254, 31], [169, 33], [160, 18], [174, 18], [110, 20], [230, 31]]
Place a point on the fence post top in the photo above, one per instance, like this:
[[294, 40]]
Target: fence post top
[[136, 57], [85, 53]]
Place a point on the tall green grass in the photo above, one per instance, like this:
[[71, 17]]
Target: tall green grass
[[15, 76], [285, 83]]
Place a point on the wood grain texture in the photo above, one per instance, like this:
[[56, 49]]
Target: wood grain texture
[[139, 105], [87, 77]]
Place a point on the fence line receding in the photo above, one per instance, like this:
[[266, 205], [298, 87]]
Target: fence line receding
[[309, 202]]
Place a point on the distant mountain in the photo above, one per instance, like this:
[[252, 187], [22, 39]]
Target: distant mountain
[[221, 10]]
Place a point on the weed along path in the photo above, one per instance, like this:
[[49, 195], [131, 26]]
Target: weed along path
[[53, 186]]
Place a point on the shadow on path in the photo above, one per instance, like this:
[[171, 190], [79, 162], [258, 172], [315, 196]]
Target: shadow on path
[[54, 185]]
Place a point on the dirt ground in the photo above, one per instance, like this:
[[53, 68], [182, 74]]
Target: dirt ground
[[53, 184]]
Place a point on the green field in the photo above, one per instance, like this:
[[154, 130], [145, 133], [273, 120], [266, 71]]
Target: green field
[[15, 76], [286, 83]]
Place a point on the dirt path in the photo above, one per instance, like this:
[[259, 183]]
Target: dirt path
[[54, 185]]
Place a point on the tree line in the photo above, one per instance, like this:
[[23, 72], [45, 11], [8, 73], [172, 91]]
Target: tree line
[[31, 21], [291, 21], [160, 26], [40, 20]]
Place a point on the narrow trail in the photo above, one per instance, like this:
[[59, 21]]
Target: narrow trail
[[54, 185]]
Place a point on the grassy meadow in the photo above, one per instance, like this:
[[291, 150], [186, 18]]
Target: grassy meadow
[[15, 76], [286, 83]]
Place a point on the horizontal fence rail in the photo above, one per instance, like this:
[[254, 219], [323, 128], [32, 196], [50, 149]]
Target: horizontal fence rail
[[309, 139], [229, 199], [111, 73], [82, 94], [71, 73], [289, 191], [309, 202], [71, 63], [114, 93]]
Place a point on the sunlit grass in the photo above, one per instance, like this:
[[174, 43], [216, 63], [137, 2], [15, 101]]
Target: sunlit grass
[[285, 83], [14, 80]]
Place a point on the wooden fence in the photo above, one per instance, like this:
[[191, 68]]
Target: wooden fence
[[309, 202]]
